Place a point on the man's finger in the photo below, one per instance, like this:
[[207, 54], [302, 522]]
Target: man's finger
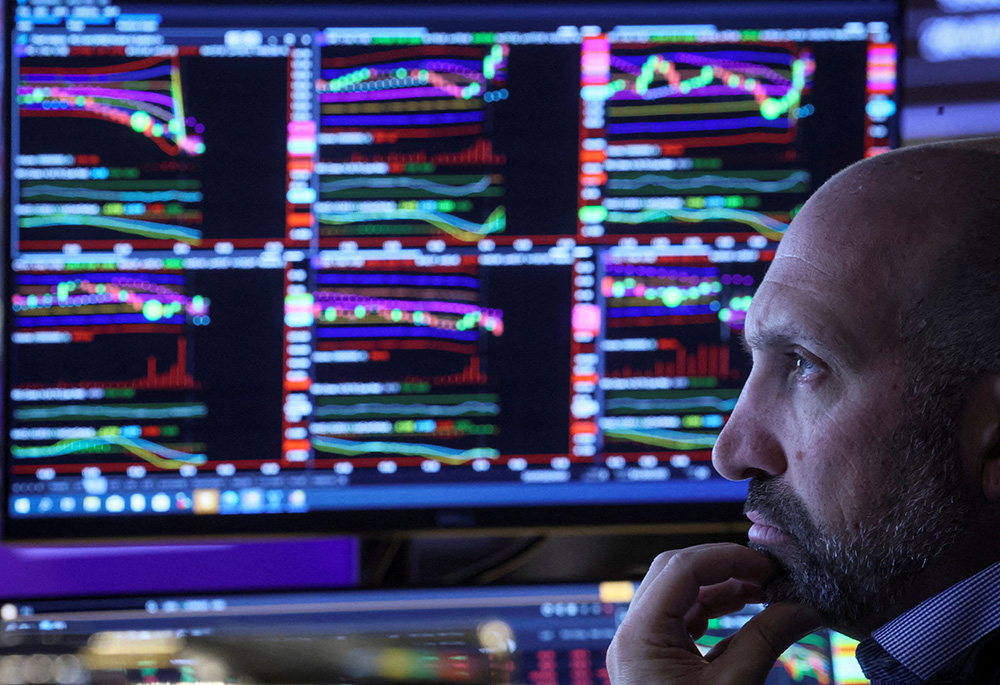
[[753, 650], [654, 570], [661, 561], [672, 591], [718, 600]]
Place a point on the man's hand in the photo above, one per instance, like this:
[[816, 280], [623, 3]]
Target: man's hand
[[681, 591]]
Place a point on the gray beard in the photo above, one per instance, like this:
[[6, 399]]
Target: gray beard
[[850, 574]]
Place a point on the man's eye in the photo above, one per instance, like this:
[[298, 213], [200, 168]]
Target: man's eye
[[803, 366]]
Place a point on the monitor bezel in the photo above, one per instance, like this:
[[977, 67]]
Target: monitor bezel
[[384, 521]]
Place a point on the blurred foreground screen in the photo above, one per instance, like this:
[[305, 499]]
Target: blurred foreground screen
[[539, 635]]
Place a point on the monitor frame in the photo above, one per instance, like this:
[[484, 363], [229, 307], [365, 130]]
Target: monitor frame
[[639, 514]]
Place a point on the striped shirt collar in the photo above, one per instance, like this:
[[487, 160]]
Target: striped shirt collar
[[916, 644]]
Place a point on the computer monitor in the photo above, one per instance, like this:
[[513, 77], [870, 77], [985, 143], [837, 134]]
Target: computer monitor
[[296, 267], [553, 634]]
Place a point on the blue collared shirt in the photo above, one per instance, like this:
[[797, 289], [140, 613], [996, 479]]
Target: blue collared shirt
[[913, 646]]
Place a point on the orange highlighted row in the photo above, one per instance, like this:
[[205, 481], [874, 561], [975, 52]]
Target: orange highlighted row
[[293, 445], [593, 156], [300, 164], [299, 219], [297, 385]]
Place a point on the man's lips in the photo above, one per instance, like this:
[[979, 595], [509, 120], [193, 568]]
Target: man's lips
[[765, 533]]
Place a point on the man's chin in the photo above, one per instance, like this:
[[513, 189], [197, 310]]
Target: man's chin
[[782, 557], [781, 586], [797, 580]]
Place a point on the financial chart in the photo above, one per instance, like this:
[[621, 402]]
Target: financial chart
[[445, 261]]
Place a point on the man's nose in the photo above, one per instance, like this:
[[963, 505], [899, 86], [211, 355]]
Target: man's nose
[[749, 444]]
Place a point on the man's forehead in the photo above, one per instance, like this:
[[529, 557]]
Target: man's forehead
[[844, 264], [839, 312], [861, 249], [786, 312], [890, 210]]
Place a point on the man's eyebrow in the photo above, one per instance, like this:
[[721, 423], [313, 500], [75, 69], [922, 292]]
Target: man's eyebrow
[[791, 335]]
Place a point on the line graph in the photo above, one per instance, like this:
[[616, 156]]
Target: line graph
[[423, 111], [770, 226], [151, 452], [718, 95], [671, 420], [90, 304], [688, 294], [439, 314], [107, 366], [146, 229], [763, 181], [130, 191], [69, 412], [418, 186], [408, 79], [677, 121], [664, 439], [444, 405], [165, 209], [671, 374], [412, 304], [145, 96], [422, 331], [678, 401], [445, 455], [132, 147], [450, 224]]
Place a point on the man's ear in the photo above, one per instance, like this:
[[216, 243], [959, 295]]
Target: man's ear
[[980, 434]]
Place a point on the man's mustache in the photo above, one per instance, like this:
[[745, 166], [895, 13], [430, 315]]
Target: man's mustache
[[779, 506]]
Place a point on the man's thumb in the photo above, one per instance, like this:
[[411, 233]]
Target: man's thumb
[[753, 650]]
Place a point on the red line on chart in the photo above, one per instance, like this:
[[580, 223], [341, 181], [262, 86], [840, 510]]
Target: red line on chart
[[739, 139], [662, 320], [437, 345], [402, 53], [114, 68], [392, 135]]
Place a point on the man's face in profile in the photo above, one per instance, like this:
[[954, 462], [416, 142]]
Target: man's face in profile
[[854, 486], [856, 572]]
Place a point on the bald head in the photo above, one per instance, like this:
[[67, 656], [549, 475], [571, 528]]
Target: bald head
[[910, 238], [886, 222]]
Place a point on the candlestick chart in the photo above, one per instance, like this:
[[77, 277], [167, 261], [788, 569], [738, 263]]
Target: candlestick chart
[[104, 375], [82, 114], [417, 123], [674, 321], [417, 336]]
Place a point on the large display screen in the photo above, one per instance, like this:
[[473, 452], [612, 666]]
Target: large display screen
[[533, 634], [289, 267]]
